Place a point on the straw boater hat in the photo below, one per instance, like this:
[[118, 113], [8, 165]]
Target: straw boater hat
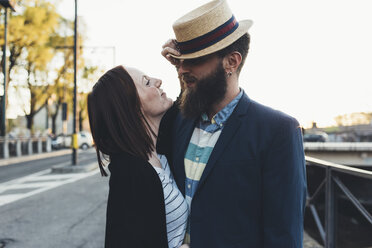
[[208, 29]]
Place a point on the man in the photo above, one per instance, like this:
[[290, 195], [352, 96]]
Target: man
[[239, 164]]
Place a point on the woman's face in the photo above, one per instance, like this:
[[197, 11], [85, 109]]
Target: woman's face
[[153, 99]]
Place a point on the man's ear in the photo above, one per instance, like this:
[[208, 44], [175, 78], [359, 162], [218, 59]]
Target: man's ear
[[232, 61]]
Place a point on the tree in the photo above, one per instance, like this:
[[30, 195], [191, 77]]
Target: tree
[[357, 118], [30, 51], [90, 73], [39, 39], [63, 83]]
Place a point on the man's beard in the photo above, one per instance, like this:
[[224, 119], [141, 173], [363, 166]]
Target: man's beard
[[206, 92]]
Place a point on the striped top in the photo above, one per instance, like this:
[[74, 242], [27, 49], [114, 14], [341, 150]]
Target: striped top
[[176, 209], [203, 140]]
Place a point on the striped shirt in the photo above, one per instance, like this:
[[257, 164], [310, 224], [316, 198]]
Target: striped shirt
[[203, 140], [176, 209]]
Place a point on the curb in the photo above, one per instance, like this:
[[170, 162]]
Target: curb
[[26, 158], [68, 168]]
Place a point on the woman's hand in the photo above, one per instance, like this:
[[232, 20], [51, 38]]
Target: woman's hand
[[170, 47], [185, 246]]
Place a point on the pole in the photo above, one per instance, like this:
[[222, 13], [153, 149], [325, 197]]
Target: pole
[[47, 115], [3, 100], [329, 210], [74, 135]]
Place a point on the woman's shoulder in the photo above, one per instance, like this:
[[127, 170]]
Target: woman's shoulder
[[125, 161], [130, 174]]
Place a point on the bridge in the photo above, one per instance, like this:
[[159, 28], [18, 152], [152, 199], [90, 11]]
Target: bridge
[[337, 209], [358, 154]]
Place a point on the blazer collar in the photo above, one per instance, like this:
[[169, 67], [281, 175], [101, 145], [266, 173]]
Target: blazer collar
[[185, 131], [183, 134], [232, 125]]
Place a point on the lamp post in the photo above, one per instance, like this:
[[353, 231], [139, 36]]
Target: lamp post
[[74, 134], [6, 4]]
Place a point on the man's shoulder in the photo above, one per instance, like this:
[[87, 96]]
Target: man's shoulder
[[265, 114]]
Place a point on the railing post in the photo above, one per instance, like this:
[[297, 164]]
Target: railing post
[[48, 144], [18, 147], [6, 148], [39, 145], [29, 146], [329, 210]]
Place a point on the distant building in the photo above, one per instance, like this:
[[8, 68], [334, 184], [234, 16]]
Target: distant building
[[354, 133]]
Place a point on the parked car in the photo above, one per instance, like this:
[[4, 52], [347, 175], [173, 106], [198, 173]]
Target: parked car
[[58, 142], [316, 137], [85, 140]]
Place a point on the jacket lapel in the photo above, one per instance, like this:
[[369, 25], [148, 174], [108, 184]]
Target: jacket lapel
[[232, 125]]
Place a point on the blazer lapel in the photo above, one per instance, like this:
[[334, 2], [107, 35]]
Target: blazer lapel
[[183, 136], [232, 125]]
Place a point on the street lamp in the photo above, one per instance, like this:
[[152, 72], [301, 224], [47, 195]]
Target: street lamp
[[6, 4], [74, 134]]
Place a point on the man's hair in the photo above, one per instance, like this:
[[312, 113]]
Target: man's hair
[[241, 45], [116, 119]]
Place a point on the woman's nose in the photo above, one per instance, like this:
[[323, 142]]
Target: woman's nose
[[158, 83]]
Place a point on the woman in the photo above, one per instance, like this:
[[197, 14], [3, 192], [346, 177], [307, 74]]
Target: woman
[[145, 208]]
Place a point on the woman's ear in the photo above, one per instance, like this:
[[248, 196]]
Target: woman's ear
[[232, 61]]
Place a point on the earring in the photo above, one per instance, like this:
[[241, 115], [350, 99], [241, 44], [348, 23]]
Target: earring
[[229, 74]]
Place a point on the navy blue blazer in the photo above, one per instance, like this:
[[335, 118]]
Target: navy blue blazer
[[252, 192]]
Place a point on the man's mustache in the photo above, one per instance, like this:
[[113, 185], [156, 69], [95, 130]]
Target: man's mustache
[[187, 78]]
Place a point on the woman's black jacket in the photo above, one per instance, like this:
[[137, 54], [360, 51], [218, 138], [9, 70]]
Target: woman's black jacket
[[135, 208]]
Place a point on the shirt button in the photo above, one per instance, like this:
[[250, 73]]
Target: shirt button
[[189, 186], [197, 158], [221, 125]]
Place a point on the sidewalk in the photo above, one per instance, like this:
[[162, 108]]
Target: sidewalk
[[26, 158], [59, 169], [63, 169]]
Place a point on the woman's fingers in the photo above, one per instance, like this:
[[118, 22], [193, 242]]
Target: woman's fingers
[[170, 47], [167, 54], [169, 43], [170, 50]]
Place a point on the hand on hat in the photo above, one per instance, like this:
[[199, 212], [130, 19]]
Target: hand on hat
[[170, 47]]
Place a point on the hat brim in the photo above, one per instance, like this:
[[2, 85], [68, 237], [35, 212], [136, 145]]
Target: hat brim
[[244, 25]]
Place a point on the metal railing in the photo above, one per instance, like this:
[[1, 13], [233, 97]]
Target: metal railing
[[16, 147], [328, 185]]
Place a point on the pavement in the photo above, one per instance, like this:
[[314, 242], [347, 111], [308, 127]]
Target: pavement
[[66, 204], [69, 212], [25, 158]]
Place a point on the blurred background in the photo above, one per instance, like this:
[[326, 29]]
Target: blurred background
[[310, 59]]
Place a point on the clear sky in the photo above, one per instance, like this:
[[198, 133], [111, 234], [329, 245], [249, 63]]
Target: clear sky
[[310, 59]]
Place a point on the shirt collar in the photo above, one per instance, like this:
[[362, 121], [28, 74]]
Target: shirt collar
[[221, 117]]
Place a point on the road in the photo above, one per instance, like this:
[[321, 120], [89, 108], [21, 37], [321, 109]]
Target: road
[[43, 210], [9, 172], [63, 210]]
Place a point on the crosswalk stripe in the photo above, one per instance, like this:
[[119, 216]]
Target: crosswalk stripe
[[37, 183]]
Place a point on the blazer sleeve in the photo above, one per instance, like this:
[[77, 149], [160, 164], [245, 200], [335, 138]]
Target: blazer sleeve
[[135, 208], [164, 141], [284, 188]]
